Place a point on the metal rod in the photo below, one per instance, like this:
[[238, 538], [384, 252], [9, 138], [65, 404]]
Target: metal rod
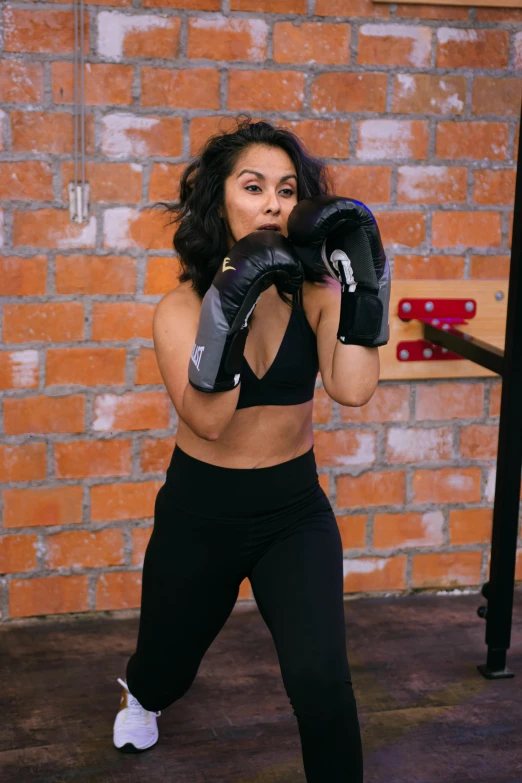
[[509, 461], [82, 93], [75, 108], [468, 347]]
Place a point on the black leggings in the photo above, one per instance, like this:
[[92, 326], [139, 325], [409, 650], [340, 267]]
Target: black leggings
[[213, 527]]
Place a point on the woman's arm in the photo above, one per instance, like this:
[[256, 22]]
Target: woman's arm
[[174, 330], [350, 373]]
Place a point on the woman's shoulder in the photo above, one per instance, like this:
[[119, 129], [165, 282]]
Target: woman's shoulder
[[180, 303]]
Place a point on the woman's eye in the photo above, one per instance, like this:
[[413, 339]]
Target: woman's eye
[[287, 191]]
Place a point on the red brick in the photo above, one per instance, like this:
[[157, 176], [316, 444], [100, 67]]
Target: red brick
[[21, 82], [407, 45], [447, 485], [38, 132], [146, 367], [164, 181], [104, 84], [126, 135], [48, 595], [396, 531], [372, 184], [374, 488], [392, 139], [315, 42], [389, 403], [499, 15], [446, 569], [269, 6], [489, 267], [131, 411], [203, 127], [123, 501], [156, 454], [431, 184], [140, 539], [470, 526], [352, 528], [108, 182], [19, 369], [428, 267], [372, 574], [125, 227], [122, 320], [86, 458], [124, 35], [180, 89], [120, 590], [494, 187], [48, 322], [349, 92], [162, 275], [471, 48], [85, 366], [322, 409], [351, 8], [402, 228], [324, 483], [41, 31], [26, 462], [495, 396], [84, 549], [23, 276], [186, 5], [432, 12], [324, 138], [52, 228], [41, 414], [472, 140], [450, 400], [229, 39], [42, 506], [266, 90], [344, 447], [95, 275], [17, 553], [415, 444], [28, 180], [499, 96], [423, 93], [470, 229], [479, 441]]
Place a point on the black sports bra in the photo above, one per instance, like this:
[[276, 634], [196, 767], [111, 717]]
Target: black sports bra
[[290, 379]]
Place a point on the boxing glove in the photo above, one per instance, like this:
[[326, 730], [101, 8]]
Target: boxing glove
[[257, 261], [340, 236]]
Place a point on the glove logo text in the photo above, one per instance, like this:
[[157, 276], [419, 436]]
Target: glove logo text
[[197, 352], [226, 266]]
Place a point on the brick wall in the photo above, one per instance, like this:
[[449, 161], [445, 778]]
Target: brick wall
[[416, 110]]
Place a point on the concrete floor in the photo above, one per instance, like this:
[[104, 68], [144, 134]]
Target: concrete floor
[[427, 715]]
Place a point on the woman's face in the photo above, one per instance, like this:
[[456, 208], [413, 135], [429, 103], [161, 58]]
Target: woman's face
[[261, 191]]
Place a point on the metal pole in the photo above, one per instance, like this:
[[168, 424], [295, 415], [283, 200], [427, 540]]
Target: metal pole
[[500, 589]]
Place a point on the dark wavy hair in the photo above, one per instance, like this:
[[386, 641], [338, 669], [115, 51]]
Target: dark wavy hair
[[201, 237]]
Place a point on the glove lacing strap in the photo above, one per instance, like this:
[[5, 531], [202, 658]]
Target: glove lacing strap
[[342, 267]]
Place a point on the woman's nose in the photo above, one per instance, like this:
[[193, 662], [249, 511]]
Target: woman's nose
[[272, 203]]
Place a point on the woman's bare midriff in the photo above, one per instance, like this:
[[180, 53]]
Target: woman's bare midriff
[[255, 437], [263, 435]]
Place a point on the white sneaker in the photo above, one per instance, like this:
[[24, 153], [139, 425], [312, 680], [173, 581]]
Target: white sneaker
[[135, 728]]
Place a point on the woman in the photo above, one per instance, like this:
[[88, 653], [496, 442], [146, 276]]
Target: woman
[[241, 496]]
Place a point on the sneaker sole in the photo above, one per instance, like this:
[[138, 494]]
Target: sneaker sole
[[130, 748]]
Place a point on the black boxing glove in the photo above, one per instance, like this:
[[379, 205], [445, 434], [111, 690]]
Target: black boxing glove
[[340, 236], [254, 263]]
